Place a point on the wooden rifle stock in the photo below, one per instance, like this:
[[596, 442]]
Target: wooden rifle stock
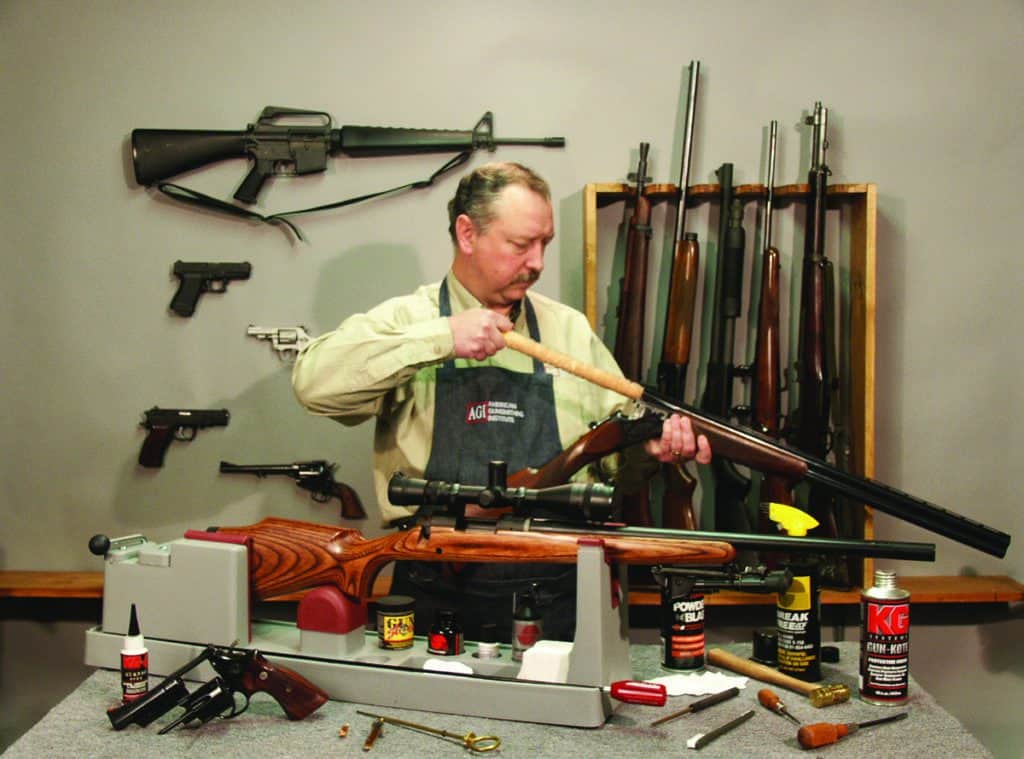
[[760, 452], [290, 555], [766, 389], [605, 438]]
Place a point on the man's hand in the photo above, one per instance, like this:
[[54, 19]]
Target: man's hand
[[678, 443], [477, 333]]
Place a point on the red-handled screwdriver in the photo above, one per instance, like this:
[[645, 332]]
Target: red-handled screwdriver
[[639, 692], [825, 733], [767, 698]]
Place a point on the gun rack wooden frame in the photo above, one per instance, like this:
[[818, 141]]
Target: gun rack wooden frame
[[862, 203]]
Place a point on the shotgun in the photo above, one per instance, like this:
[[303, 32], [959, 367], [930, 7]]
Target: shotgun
[[762, 453], [677, 501]]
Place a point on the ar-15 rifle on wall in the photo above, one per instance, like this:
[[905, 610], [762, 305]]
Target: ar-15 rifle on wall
[[276, 148], [764, 454], [317, 477]]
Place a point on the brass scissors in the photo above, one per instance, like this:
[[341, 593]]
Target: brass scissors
[[472, 741]]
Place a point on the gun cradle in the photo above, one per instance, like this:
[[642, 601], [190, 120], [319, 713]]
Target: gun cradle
[[195, 592]]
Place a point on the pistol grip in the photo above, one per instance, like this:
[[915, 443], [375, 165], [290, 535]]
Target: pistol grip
[[190, 288], [250, 188], [155, 446]]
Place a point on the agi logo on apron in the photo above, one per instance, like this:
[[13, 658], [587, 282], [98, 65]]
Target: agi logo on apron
[[493, 411]]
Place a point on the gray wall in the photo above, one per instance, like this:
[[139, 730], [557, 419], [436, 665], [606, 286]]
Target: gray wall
[[925, 101]]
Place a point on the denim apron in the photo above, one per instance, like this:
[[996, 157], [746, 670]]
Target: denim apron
[[482, 414]]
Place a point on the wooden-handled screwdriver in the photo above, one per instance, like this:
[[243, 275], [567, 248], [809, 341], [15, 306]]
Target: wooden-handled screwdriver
[[769, 700], [825, 733]]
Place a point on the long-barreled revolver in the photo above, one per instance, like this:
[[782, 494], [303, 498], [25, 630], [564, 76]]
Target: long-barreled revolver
[[317, 477]]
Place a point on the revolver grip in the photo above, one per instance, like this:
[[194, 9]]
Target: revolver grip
[[297, 696], [351, 506]]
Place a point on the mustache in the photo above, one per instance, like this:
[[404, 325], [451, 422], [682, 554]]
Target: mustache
[[526, 279]]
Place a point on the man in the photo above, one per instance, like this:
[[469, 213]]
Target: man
[[447, 399]]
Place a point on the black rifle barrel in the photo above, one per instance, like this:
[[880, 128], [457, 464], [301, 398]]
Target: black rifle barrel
[[684, 168], [739, 540], [882, 549], [258, 468]]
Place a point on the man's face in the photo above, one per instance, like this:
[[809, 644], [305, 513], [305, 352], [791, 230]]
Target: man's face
[[505, 259]]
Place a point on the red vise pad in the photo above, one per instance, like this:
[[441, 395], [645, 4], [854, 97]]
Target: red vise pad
[[327, 609]]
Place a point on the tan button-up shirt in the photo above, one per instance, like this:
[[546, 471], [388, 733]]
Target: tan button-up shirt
[[382, 364]]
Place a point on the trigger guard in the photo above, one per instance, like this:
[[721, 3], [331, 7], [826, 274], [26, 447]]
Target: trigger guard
[[235, 711]]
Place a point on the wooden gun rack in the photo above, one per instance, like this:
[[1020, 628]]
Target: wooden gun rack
[[860, 207]]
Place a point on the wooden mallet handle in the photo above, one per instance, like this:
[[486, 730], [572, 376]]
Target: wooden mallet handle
[[819, 695]]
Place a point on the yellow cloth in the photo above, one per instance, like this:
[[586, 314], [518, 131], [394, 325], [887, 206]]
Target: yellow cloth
[[382, 364]]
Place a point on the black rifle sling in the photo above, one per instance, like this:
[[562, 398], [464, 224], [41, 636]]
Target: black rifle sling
[[202, 200]]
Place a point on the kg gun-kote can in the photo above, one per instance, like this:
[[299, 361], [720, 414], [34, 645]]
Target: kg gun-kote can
[[885, 641]]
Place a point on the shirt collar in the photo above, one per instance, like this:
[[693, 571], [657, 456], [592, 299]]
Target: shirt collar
[[462, 299]]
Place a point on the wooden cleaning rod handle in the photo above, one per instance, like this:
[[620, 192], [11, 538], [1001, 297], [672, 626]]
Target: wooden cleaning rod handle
[[609, 381]]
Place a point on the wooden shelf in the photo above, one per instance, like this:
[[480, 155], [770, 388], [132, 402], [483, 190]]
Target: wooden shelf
[[932, 589], [928, 590]]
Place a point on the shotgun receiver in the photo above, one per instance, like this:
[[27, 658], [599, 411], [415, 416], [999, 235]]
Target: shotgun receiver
[[764, 454]]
